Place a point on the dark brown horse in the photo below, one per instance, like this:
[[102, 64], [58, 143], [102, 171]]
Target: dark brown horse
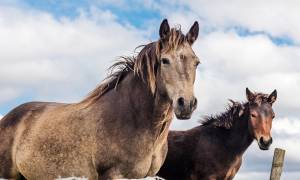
[[119, 131], [214, 150]]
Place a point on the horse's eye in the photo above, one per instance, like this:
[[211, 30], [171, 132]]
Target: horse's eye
[[197, 63], [253, 115], [182, 57], [273, 116], [165, 61]]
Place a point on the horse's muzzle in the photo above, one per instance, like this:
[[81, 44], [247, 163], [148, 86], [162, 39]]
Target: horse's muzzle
[[184, 108], [264, 144]]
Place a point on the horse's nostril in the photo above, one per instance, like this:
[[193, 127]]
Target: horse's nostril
[[271, 140], [261, 140], [193, 103], [180, 101]]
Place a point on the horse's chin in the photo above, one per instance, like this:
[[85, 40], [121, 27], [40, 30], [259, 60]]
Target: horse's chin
[[262, 147], [183, 116], [183, 113]]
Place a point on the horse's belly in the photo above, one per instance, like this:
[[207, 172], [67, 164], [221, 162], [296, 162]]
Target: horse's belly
[[52, 159], [34, 166]]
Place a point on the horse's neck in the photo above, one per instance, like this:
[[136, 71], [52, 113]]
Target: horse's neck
[[155, 106], [138, 101], [239, 137]]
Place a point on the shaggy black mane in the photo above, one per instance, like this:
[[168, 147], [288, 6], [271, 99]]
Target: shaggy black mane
[[227, 118]]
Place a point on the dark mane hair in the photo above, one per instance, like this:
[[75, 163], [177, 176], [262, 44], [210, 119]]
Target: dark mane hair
[[225, 119], [144, 65]]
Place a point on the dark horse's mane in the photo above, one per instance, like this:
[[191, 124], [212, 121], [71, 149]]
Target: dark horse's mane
[[227, 118], [224, 119], [144, 65]]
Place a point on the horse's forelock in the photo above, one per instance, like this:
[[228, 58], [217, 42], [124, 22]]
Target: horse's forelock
[[260, 98], [146, 64], [175, 39]]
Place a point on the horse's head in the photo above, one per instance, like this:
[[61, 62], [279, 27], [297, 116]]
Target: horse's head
[[261, 115], [177, 68]]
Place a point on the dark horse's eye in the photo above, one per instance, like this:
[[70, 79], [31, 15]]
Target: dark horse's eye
[[197, 63], [165, 61], [253, 115]]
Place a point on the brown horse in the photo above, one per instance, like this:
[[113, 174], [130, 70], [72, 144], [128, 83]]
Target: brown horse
[[119, 131], [214, 150]]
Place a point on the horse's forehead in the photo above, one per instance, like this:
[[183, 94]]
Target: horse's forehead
[[261, 102], [184, 49], [261, 99]]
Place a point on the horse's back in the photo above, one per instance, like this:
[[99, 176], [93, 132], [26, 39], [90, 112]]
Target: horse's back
[[10, 125]]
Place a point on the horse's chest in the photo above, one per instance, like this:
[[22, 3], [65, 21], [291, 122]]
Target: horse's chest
[[233, 168], [145, 165], [149, 163]]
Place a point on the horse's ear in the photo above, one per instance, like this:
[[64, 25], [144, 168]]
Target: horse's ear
[[238, 107], [250, 95], [241, 110], [164, 29], [272, 97], [192, 35]]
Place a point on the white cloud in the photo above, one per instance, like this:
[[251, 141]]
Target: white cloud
[[277, 17], [59, 59], [231, 63]]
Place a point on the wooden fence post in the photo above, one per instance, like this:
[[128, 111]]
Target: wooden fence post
[[277, 164]]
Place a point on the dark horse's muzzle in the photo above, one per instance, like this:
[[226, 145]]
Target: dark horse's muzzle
[[185, 108], [264, 144]]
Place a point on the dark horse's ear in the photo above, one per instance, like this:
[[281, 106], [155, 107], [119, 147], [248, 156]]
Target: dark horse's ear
[[192, 35], [164, 29], [250, 95], [238, 107], [272, 97]]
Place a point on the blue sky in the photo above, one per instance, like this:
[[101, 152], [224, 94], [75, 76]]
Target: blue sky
[[59, 50], [134, 13]]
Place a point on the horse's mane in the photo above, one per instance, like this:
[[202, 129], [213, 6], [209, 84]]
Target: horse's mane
[[224, 119], [144, 65], [227, 118]]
